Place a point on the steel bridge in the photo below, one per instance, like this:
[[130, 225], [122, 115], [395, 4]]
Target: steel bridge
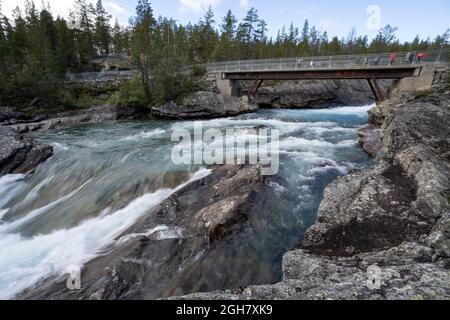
[[370, 67]]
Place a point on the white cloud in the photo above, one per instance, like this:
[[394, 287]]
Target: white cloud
[[59, 7], [197, 5], [62, 7], [244, 3]]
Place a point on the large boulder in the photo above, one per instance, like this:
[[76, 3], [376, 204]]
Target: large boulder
[[204, 105], [19, 153], [153, 258], [406, 272], [400, 197]]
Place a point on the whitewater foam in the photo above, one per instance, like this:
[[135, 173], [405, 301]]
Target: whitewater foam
[[26, 261], [144, 135]]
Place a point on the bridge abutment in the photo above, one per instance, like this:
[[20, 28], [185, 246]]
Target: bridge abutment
[[422, 82], [227, 87]]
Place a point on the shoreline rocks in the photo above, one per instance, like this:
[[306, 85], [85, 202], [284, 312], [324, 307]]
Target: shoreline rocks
[[204, 105], [91, 115], [315, 94], [19, 153]]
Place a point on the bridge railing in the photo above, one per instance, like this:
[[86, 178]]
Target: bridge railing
[[296, 63], [327, 62]]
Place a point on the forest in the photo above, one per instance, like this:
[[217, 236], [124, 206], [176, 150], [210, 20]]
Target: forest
[[37, 49]]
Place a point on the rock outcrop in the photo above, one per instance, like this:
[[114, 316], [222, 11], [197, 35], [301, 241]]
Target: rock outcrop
[[19, 153], [9, 115], [382, 232], [92, 115], [204, 105], [147, 259], [315, 94]]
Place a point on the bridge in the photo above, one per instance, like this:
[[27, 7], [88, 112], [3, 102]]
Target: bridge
[[370, 67], [408, 73]]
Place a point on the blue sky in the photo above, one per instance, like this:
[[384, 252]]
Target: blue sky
[[426, 18]]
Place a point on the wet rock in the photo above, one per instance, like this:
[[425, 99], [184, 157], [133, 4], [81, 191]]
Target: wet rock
[[92, 115], [365, 211], [19, 153], [201, 105], [370, 139], [149, 259], [405, 272], [397, 199], [10, 115], [315, 94]]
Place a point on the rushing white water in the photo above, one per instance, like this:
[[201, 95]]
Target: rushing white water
[[105, 177], [23, 262]]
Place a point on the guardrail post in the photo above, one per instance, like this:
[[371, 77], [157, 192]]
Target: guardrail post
[[439, 56]]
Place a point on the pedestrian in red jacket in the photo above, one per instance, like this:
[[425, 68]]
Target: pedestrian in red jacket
[[392, 58], [420, 57]]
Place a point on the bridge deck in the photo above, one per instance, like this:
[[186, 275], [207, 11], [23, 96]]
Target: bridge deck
[[345, 72]]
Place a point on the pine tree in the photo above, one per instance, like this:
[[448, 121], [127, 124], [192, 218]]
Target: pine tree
[[4, 46], [224, 48], [304, 42], [102, 29], [142, 43], [84, 14], [208, 35]]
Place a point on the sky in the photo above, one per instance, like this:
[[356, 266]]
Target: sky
[[338, 17]]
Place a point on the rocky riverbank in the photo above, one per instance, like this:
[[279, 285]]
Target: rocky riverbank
[[91, 115], [382, 232], [20, 153], [316, 94], [204, 105]]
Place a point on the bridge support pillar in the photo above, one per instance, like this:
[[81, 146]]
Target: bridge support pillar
[[254, 88], [227, 87], [377, 91]]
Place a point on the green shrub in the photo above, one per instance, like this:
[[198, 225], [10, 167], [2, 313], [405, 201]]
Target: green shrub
[[198, 71], [131, 95]]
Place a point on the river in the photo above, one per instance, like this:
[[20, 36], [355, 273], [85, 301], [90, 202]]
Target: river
[[105, 177]]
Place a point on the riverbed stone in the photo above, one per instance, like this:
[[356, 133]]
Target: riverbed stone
[[204, 105], [20, 153]]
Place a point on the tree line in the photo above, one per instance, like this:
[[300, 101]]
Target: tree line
[[38, 49]]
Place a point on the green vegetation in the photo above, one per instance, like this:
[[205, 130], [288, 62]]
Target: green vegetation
[[130, 95], [38, 49]]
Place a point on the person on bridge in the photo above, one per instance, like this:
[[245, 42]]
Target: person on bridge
[[410, 57], [392, 58], [376, 61], [420, 57]]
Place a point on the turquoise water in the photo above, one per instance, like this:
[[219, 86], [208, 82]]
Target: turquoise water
[[104, 177]]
